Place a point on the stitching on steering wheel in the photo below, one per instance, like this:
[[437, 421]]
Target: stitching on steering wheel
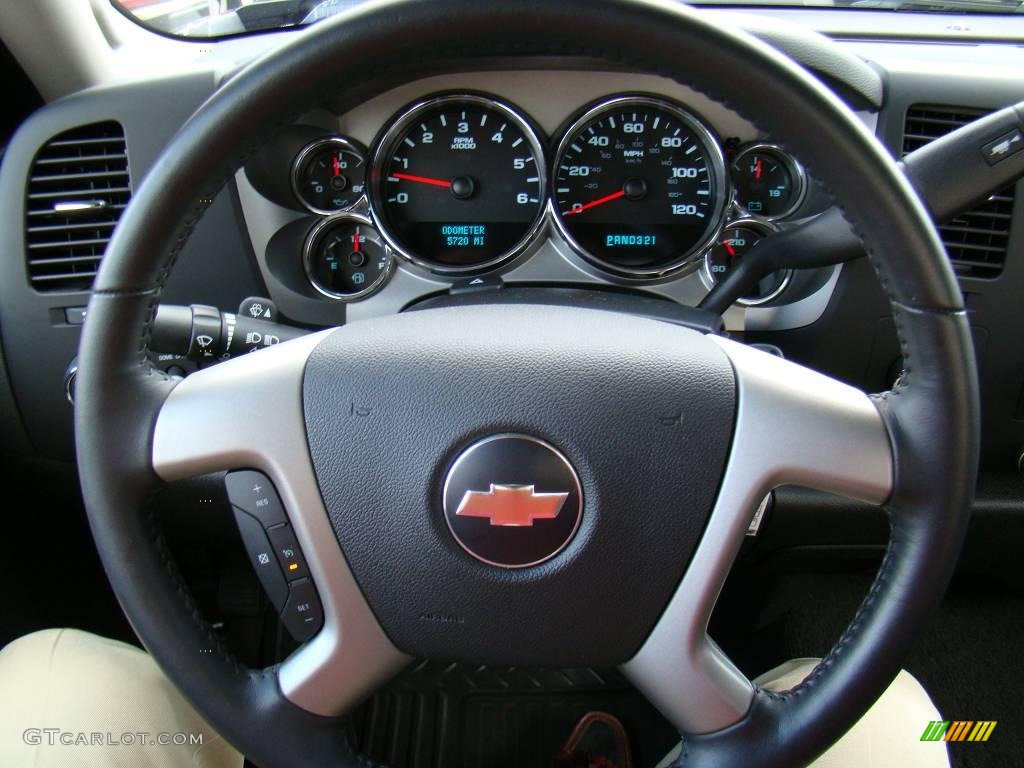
[[171, 566], [851, 630]]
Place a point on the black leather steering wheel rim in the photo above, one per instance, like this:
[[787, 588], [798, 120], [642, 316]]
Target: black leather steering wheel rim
[[932, 414]]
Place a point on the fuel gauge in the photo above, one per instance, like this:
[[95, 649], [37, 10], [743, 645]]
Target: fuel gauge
[[769, 182], [329, 175], [345, 258]]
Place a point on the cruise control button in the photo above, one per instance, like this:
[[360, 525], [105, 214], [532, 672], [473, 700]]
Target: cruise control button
[[286, 546], [261, 555], [253, 492], [302, 615]]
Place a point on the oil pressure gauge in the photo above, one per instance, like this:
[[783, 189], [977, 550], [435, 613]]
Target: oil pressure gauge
[[769, 183], [345, 258], [329, 174]]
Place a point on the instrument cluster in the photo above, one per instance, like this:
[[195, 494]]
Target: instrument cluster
[[460, 184]]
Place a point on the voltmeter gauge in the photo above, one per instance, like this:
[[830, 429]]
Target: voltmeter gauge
[[732, 244], [345, 258], [329, 174], [769, 183]]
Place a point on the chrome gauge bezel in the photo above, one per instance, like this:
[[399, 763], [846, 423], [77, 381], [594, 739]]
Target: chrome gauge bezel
[[386, 144], [765, 228], [796, 171], [303, 155], [716, 165], [317, 231]]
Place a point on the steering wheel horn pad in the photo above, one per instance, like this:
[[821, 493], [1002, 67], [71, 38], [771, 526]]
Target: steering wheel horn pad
[[599, 387], [914, 449]]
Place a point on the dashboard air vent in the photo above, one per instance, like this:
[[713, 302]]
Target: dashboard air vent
[[77, 188], [976, 241]]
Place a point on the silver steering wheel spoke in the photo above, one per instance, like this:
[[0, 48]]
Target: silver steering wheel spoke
[[794, 426], [247, 413]]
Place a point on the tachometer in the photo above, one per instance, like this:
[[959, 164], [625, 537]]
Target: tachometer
[[459, 183], [639, 186]]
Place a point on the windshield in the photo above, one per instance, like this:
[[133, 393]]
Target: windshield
[[222, 18]]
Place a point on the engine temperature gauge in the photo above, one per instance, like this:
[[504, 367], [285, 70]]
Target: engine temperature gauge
[[735, 241], [769, 183], [329, 175], [345, 258]]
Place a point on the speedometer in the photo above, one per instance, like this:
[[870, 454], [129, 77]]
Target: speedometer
[[639, 186], [459, 183]]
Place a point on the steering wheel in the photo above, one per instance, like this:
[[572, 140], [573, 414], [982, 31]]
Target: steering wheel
[[361, 428]]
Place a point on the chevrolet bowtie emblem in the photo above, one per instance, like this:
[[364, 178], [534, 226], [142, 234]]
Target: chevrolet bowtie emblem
[[511, 505]]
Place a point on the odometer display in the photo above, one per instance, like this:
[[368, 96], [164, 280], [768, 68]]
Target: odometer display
[[459, 183], [639, 186]]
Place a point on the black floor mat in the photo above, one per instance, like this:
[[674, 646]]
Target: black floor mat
[[968, 658], [455, 716]]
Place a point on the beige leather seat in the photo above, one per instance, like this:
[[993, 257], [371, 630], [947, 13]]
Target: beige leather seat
[[86, 686]]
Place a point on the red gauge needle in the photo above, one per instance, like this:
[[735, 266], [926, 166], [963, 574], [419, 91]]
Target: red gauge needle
[[757, 170], [336, 161], [595, 203], [729, 248], [422, 180], [355, 242]]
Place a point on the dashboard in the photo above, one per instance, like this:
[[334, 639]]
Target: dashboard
[[486, 193], [337, 218], [613, 180]]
